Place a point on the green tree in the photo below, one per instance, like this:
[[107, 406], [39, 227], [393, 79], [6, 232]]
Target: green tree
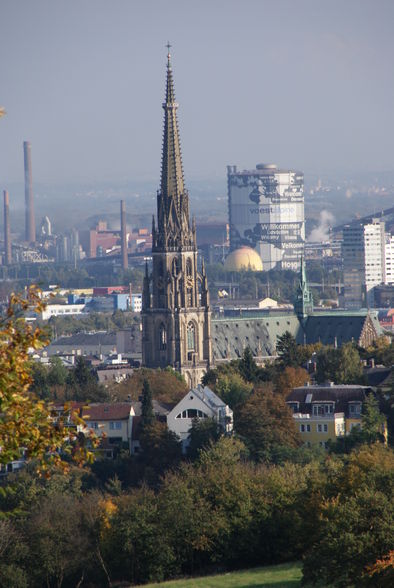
[[58, 373], [264, 422], [247, 366], [232, 389], [289, 352], [372, 420], [13, 551], [355, 532], [82, 383], [191, 537], [202, 433], [40, 380], [132, 544], [355, 523], [341, 366], [59, 546], [147, 415], [160, 450], [49, 380]]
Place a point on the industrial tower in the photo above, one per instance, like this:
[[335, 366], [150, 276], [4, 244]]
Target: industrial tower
[[30, 225]]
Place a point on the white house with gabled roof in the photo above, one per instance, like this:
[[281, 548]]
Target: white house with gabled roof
[[201, 403]]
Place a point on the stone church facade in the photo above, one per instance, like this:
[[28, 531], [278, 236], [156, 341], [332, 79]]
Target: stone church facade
[[176, 315]]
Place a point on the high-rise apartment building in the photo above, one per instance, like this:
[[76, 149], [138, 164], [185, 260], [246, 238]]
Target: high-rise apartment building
[[389, 259], [266, 212], [363, 251]]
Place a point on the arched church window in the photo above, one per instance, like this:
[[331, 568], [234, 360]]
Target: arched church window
[[161, 268], [162, 338], [191, 337], [189, 267]]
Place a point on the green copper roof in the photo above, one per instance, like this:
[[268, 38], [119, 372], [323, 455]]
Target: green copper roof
[[230, 335]]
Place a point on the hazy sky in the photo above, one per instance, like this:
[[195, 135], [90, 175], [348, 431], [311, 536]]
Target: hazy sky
[[303, 83]]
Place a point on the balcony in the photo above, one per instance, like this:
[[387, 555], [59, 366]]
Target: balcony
[[318, 417]]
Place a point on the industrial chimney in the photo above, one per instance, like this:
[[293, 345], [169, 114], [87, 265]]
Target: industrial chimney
[[30, 227], [7, 230], [125, 261]]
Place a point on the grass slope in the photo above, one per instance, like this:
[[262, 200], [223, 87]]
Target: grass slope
[[282, 576]]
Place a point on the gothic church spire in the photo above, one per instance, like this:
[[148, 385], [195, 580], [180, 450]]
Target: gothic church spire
[[173, 200], [176, 314], [172, 183]]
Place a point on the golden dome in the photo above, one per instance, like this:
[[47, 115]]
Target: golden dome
[[244, 258]]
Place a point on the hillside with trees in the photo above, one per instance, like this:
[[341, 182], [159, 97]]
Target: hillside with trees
[[251, 499]]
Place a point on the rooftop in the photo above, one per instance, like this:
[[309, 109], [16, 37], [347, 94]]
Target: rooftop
[[101, 337], [107, 411], [263, 169], [208, 396], [341, 394]]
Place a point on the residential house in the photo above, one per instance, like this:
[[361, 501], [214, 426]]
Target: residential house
[[110, 421], [327, 411], [12, 466], [201, 403]]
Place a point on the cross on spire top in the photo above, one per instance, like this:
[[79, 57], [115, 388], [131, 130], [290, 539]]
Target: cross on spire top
[[168, 50]]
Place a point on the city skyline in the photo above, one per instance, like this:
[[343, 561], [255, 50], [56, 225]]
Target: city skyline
[[301, 85]]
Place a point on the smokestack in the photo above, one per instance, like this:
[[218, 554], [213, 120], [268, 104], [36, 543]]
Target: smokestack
[[30, 226], [125, 261], [7, 230]]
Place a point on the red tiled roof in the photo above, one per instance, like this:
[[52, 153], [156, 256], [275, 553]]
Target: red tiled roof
[[106, 411]]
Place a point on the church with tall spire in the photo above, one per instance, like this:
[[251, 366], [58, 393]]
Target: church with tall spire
[[176, 315]]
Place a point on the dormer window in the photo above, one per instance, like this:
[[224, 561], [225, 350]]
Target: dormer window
[[355, 408], [293, 406], [323, 409]]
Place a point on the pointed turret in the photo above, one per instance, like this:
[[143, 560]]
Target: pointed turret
[[172, 199], [303, 304], [153, 231], [303, 283], [146, 289], [204, 286]]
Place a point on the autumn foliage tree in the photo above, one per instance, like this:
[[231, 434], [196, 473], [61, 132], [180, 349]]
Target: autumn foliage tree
[[289, 378], [356, 530], [26, 421], [265, 422], [167, 385]]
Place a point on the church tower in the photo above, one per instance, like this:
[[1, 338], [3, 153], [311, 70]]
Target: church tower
[[176, 326]]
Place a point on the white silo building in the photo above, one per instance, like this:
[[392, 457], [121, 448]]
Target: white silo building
[[266, 212]]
